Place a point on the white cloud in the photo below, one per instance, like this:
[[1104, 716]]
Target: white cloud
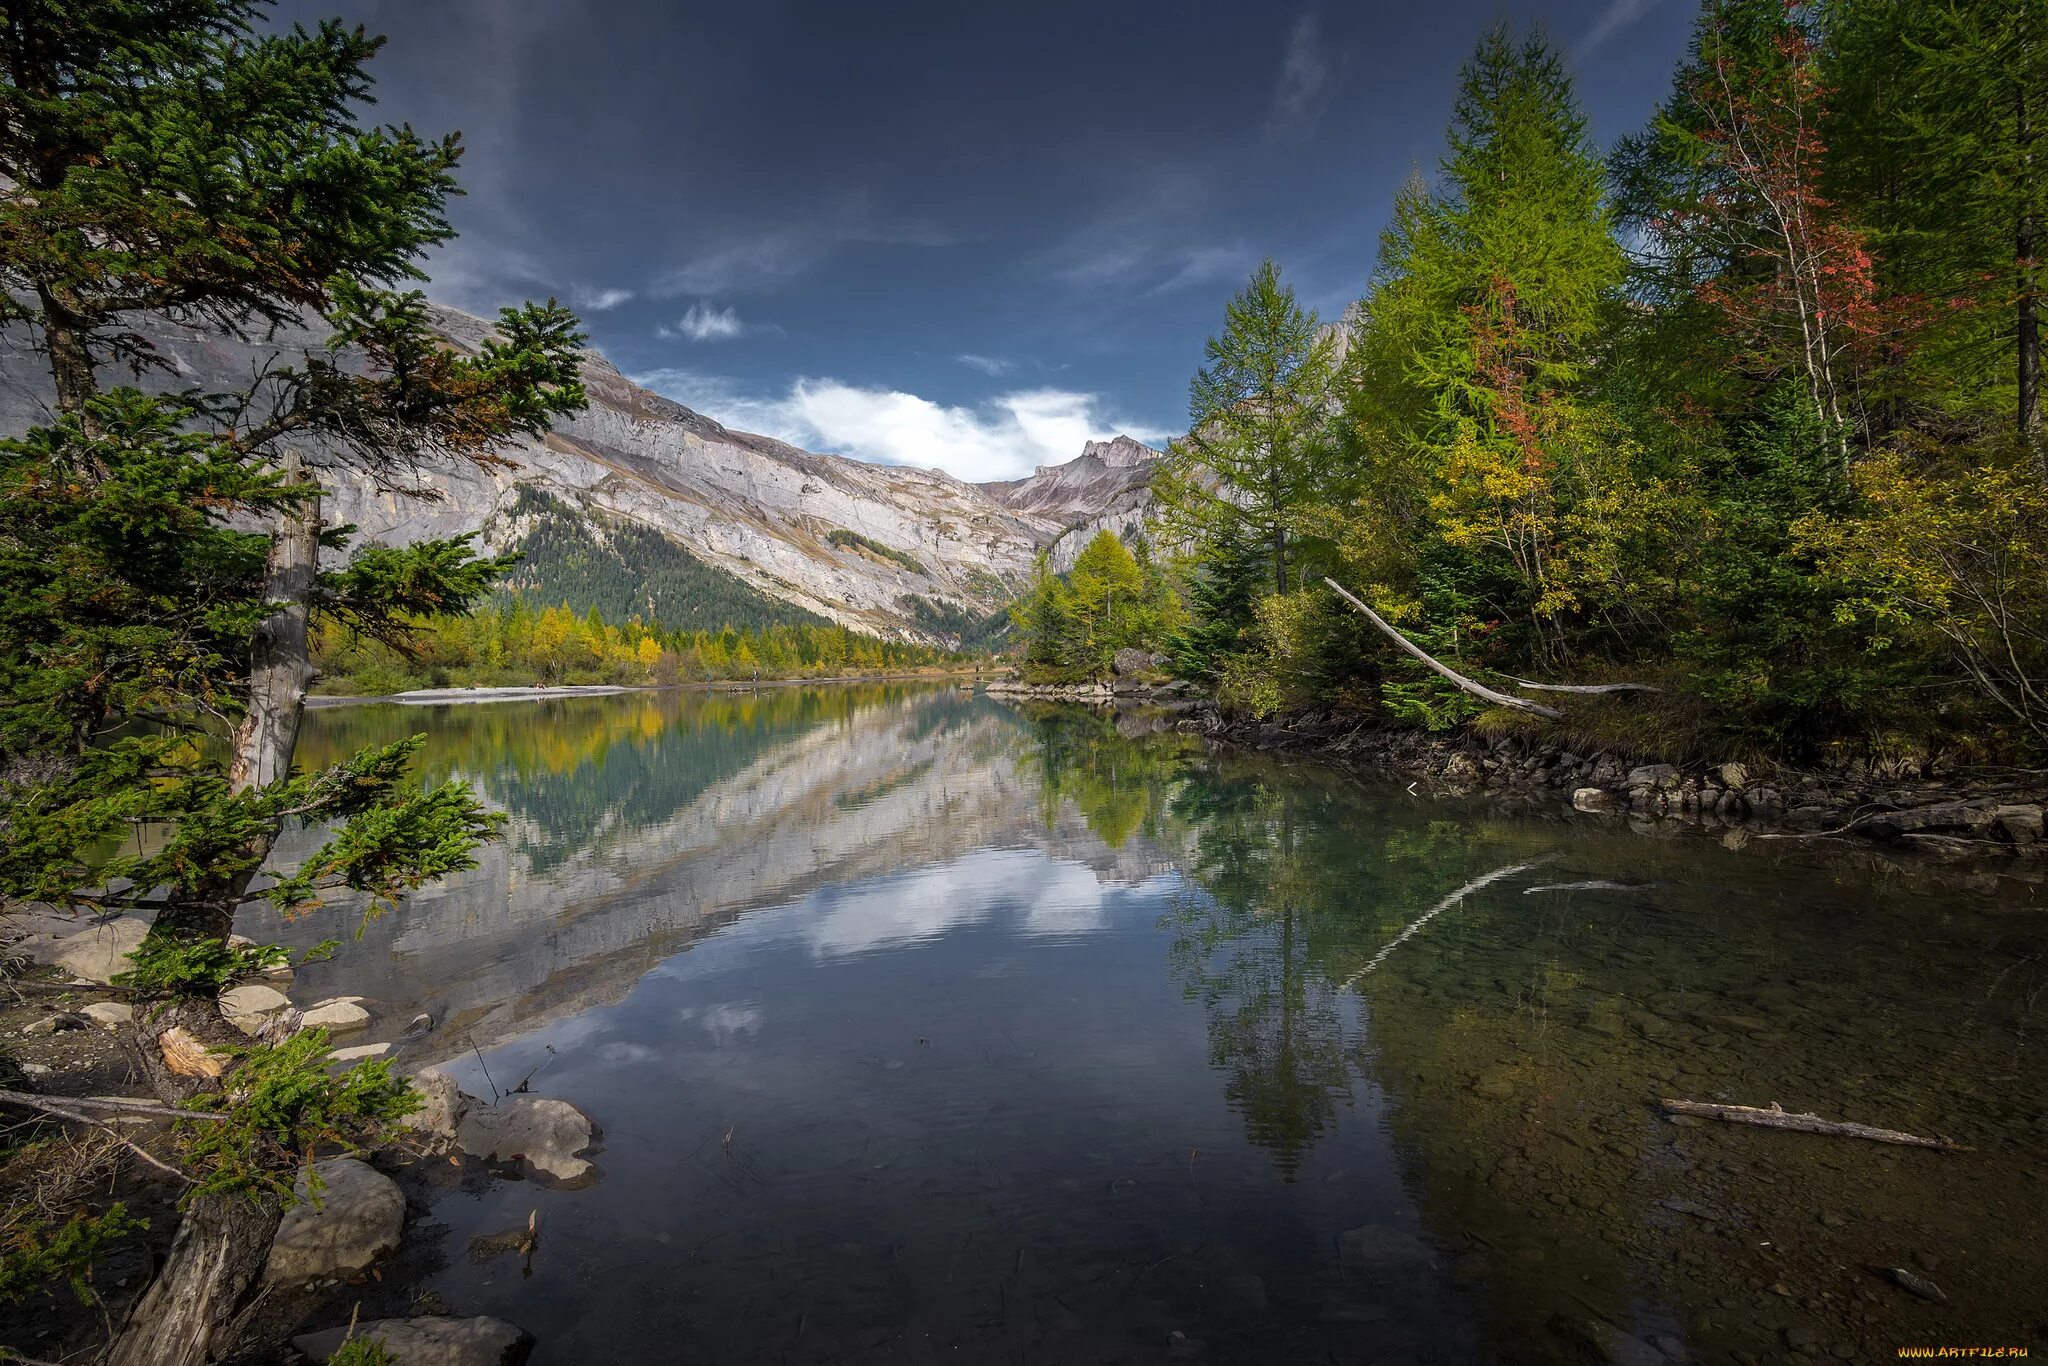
[[599, 300], [988, 365], [1003, 438], [725, 1021], [1129, 246], [1059, 897], [1306, 81], [764, 260], [704, 323], [1618, 15], [1201, 265]]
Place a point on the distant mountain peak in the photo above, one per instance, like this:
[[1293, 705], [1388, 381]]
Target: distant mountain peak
[[1119, 452]]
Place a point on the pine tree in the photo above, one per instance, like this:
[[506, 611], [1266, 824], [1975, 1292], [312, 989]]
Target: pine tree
[[167, 160], [1255, 454]]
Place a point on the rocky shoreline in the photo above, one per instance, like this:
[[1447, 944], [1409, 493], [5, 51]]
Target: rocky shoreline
[[328, 1257], [1917, 809], [1910, 810]]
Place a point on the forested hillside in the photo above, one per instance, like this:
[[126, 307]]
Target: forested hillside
[[628, 571], [1745, 408]]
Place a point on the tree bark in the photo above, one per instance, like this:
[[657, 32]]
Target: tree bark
[[200, 1301], [281, 657], [71, 369], [1587, 688], [1478, 690]]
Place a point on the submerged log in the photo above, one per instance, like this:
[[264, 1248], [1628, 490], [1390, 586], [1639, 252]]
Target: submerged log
[[1476, 689], [1777, 1118]]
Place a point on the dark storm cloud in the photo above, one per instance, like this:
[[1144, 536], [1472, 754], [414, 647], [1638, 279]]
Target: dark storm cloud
[[943, 233]]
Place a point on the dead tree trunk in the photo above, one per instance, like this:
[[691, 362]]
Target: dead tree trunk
[[1410, 648], [281, 657], [1776, 1118], [200, 1302]]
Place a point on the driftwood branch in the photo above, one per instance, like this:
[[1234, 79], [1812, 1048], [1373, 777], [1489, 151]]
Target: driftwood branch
[[1478, 690], [61, 1109], [113, 1103], [1591, 688], [1776, 1118]]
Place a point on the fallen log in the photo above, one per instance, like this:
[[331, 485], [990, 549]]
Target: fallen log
[[1476, 689], [1777, 1118], [119, 1104], [1580, 687]]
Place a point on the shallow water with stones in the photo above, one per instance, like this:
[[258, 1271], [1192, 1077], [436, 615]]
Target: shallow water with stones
[[927, 1027]]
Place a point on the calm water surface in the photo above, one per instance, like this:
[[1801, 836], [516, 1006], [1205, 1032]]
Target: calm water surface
[[924, 1027]]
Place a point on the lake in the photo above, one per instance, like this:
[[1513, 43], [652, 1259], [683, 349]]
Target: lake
[[923, 1026]]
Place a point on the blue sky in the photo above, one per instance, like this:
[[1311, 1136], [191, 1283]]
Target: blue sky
[[954, 235]]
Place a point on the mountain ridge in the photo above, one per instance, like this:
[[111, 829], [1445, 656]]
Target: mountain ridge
[[893, 550]]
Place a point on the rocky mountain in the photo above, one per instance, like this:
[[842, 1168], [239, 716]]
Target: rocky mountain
[[1107, 487], [640, 504]]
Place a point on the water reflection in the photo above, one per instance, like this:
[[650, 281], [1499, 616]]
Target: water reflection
[[926, 1027]]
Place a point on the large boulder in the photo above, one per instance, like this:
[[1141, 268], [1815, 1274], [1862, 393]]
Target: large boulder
[[338, 1016], [430, 1341], [1128, 661], [541, 1133], [99, 952], [2019, 823], [252, 1005], [356, 1218], [1661, 776]]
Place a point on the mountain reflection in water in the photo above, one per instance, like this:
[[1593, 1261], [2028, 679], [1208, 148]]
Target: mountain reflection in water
[[927, 1027]]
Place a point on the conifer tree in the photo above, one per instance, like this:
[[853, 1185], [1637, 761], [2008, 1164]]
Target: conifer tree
[[1255, 454], [1491, 479], [169, 163]]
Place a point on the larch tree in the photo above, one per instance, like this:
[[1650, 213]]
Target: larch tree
[[175, 164], [1492, 483], [1256, 453]]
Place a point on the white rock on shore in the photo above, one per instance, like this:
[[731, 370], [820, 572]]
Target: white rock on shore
[[252, 1005], [337, 1015], [358, 1217], [93, 954], [543, 1133]]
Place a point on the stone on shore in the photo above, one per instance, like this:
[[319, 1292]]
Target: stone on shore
[[109, 1014], [2019, 823], [442, 1104], [1663, 776], [541, 1132], [357, 1218], [341, 1015], [359, 1052], [430, 1341], [98, 953], [252, 1005], [1592, 799]]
